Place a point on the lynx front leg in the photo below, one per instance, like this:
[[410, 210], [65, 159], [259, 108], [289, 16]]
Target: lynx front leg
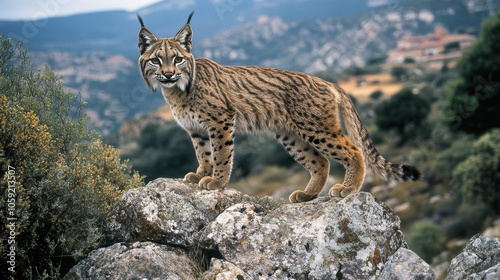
[[201, 144], [221, 139]]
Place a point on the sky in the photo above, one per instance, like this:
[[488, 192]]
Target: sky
[[36, 9]]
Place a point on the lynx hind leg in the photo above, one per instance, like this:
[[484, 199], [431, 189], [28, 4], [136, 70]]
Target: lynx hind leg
[[339, 147], [317, 165]]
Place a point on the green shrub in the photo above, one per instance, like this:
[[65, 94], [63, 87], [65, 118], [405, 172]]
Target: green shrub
[[404, 112], [253, 153], [164, 150], [376, 94], [448, 159], [429, 92], [377, 60], [477, 176], [399, 73], [423, 239], [65, 178]]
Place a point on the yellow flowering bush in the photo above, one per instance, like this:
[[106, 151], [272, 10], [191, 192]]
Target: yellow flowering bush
[[58, 179]]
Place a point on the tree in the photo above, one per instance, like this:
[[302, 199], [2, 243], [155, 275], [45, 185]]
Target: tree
[[403, 112], [376, 94], [377, 60], [478, 176], [473, 98], [399, 72], [423, 239]]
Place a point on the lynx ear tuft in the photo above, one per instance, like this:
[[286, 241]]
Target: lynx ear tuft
[[190, 16], [140, 20]]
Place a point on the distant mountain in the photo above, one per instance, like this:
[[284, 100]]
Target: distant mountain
[[116, 31], [336, 43], [97, 52]]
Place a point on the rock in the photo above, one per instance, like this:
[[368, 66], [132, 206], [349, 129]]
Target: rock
[[405, 264], [357, 237], [351, 237], [144, 260], [480, 259], [223, 270], [166, 211]]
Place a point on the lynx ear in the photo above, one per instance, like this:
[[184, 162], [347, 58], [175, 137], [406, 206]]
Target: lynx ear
[[185, 35], [146, 37]]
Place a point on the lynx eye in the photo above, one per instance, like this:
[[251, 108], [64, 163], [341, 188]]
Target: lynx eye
[[155, 60], [178, 59]]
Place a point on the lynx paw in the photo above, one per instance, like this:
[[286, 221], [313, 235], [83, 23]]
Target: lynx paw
[[340, 191], [192, 178], [301, 196], [210, 183]]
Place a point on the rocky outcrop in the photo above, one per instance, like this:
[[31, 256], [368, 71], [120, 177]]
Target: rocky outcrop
[[223, 270], [352, 237], [166, 211], [144, 260], [405, 264], [480, 259], [171, 228]]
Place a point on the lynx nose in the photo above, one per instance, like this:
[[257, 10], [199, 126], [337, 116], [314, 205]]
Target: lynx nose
[[168, 74]]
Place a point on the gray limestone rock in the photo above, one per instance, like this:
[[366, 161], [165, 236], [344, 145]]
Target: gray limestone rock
[[165, 211], [480, 259], [144, 260], [224, 270], [322, 239], [405, 264], [357, 237]]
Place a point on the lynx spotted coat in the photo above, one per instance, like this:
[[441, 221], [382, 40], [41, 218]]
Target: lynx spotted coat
[[213, 102]]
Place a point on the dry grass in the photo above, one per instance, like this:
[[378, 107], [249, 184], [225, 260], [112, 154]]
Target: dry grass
[[372, 82]]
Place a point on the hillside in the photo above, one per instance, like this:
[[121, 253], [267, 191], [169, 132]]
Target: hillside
[[96, 53], [337, 43], [116, 31]]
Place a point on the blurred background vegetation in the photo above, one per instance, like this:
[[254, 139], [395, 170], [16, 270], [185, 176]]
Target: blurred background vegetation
[[444, 120]]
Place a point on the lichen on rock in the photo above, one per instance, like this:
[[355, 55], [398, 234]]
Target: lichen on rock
[[166, 211], [140, 260], [480, 259], [224, 270], [353, 236], [236, 236], [405, 264]]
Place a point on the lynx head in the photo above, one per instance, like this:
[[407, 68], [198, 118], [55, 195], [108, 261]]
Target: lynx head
[[167, 62]]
